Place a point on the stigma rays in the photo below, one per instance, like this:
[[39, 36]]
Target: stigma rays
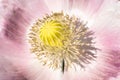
[[60, 41]]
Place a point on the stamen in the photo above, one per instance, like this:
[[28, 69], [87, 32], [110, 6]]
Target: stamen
[[60, 38]]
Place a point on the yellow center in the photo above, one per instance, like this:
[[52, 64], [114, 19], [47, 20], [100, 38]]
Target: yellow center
[[52, 33]]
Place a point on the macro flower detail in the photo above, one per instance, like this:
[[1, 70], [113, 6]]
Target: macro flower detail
[[61, 41]]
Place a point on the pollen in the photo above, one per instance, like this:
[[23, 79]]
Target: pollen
[[60, 41]]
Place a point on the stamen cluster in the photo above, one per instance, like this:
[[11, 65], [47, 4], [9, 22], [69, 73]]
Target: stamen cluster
[[59, 37]]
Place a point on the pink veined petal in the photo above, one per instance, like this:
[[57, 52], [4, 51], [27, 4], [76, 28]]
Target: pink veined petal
[[54, 6], [87, 6], [86, 9], [107, 31], [107, 66], [8, 71], [109, 36], [32, 70], [108, 27], [25, 64], [59, 5], [18, 15], [68, 5]]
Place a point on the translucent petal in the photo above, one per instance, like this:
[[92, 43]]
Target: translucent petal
[[56, 5], [107, 65], [8, 71], [18, 15]]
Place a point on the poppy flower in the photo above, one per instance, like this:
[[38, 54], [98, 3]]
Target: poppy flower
[[59, 40]]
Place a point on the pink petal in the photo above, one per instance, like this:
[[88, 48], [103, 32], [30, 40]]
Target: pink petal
[[8, 71], [107, 64], [87, 6], [34, 71], [23, 63], [18, 15], [107, 31], [86, 9], [55, 6]]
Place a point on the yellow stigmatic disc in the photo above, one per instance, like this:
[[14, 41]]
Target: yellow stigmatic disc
[[52, 33]]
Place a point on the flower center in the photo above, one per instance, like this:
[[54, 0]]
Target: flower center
[[60, 41], [53, 33]]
